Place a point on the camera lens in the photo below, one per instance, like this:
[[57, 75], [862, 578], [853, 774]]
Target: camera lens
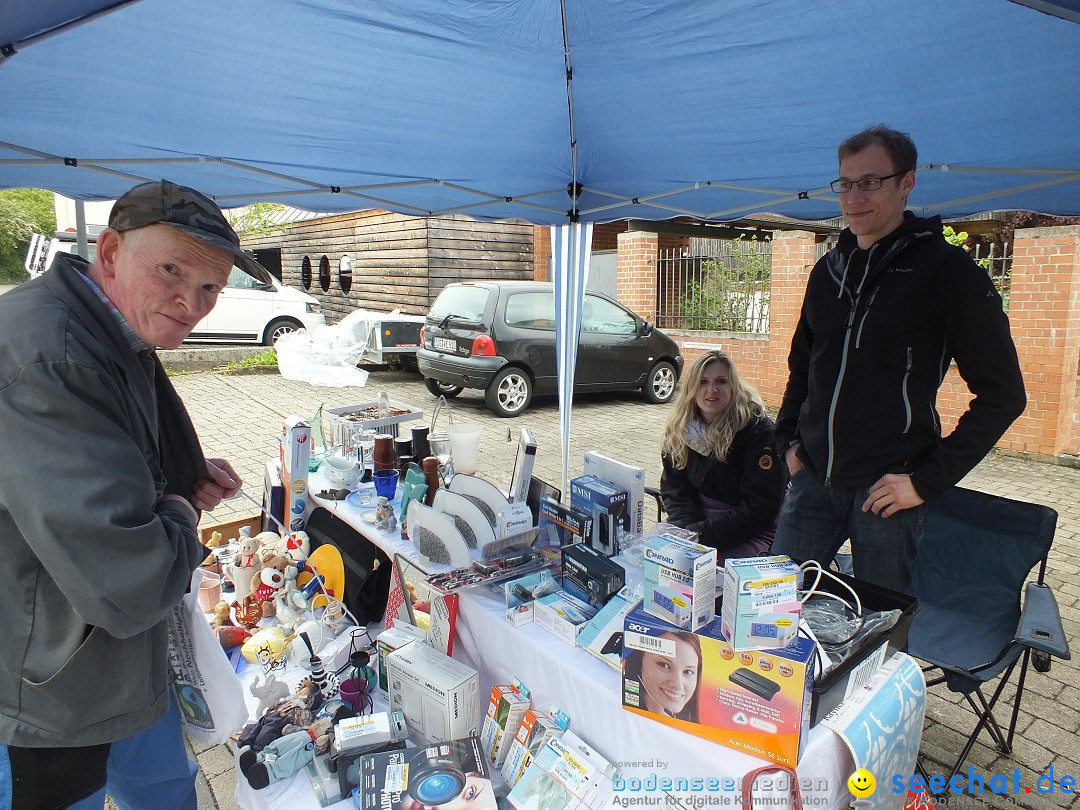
[[437, 785]]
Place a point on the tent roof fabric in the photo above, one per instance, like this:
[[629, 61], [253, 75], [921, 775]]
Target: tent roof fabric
[[674, 107]]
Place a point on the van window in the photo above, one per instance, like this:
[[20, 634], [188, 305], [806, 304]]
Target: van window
[[238, 279], [465, 302], [531, 310]]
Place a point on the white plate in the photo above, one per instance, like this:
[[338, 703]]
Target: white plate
[[368, 515]]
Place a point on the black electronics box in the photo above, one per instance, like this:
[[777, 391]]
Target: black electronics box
[[590, 576], [863, 660], [571, 525]]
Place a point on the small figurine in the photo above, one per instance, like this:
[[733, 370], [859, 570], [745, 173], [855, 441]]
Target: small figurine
[[221, 615], [268, 693], [243, 566], [385, 520]]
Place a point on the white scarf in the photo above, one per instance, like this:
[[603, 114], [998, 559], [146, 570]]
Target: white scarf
[[697, 439]]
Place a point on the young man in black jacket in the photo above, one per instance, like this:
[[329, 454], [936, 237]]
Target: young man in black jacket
[[885, 313]]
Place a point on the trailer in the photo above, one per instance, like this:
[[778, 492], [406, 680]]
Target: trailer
[[385, 335]]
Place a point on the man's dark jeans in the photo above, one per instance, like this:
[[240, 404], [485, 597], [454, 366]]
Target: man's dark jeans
[[816, 520]]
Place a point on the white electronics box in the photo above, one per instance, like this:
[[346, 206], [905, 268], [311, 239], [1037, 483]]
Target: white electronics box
[[625, 476], [680, 581], [295, 455], [761, 602], [438, 695]]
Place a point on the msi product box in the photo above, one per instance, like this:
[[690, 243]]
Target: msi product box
[[444, 774], [608, 506]]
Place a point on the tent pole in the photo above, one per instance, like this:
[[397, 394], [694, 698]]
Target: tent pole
[[81, 242]]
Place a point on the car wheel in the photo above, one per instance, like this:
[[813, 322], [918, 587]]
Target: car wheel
[[439, 389], [509, 393], [660, 386], [277, 328]]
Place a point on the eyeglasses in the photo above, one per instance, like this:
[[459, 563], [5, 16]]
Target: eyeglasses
[[866, 184]]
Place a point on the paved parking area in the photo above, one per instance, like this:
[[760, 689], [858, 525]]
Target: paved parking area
[[239, 417]]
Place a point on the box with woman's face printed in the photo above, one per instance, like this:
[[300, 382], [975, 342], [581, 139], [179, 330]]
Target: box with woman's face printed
[[757, 701]]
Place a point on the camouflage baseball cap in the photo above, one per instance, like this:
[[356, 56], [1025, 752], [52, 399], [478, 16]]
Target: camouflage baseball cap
[[186, 209]]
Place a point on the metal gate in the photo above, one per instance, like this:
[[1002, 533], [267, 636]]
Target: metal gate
[[716, 285]]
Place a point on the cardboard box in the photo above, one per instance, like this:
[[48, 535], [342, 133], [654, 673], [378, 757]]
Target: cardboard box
[[625, 476], [438, 695], [230, 529], [536, 729], [756, 701], [562, 615], [432, 776], [590, 576], [295, 454], [505, 710], [761, 601], [603, 634], [608, 506], [571, 525], [568, 767], [389, 640], [522, 592], [680, 581]]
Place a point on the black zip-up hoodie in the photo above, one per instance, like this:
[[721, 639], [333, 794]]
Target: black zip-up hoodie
[[878, 330]]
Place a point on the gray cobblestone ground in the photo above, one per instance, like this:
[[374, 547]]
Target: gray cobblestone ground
[[239, 417]]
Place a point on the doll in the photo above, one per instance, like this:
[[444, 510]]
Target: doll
[[283, 757]]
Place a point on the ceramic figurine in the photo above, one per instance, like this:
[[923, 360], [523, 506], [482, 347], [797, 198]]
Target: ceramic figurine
[[385, 520], [268, 693]]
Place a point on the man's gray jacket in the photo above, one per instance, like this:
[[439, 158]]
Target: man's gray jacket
[[94, 557]]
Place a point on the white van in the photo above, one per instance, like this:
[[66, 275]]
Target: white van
[[247, 310]]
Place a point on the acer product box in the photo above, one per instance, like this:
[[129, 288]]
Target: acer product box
[[761, 601], [757, 701], [680, 581], [438, 695]]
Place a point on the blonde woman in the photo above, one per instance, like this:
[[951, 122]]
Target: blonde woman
[[722, 477]]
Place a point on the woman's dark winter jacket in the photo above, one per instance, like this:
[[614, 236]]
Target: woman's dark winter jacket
[[878, 330], [752, 480]]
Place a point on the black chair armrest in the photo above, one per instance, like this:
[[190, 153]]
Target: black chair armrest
[[1040, 622], [654, 493]]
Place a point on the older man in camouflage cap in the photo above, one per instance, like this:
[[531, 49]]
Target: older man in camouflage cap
[[101, 484]]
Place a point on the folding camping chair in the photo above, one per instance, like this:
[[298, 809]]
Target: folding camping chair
[[975, 555]]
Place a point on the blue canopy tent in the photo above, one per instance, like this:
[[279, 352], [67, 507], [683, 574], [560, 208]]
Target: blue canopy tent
[[553, 112]]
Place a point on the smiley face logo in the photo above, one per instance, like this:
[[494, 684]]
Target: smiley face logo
[[862, 783]]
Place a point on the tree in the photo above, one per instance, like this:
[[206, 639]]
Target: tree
[[23, 212]]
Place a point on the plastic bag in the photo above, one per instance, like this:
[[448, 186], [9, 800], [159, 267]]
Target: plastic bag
[[207, 690], [328, 354]]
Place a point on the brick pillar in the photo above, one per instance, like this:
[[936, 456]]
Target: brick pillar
[[541, 253], [636, 282], [1044, 311], [792, 260]]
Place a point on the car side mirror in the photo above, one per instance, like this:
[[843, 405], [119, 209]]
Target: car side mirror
[[646, 329]]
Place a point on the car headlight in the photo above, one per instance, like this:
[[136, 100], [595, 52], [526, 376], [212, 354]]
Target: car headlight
[[313, 308]]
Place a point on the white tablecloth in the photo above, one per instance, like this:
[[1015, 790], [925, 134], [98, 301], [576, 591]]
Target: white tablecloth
[[588, 691]]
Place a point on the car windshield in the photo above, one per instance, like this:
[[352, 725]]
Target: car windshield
[[464, 303]]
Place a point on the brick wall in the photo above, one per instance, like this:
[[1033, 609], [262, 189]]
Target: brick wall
[[1044, 313]]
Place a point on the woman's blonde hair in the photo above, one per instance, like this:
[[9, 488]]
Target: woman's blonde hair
[[745, 408]]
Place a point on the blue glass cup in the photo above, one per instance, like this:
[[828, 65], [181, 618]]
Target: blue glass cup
[[386, 483]]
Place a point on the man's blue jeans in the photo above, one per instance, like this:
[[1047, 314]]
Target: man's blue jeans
[[147, 771], [816, 520]]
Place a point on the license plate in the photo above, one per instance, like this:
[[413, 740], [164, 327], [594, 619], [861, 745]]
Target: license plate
[[444, 344]]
